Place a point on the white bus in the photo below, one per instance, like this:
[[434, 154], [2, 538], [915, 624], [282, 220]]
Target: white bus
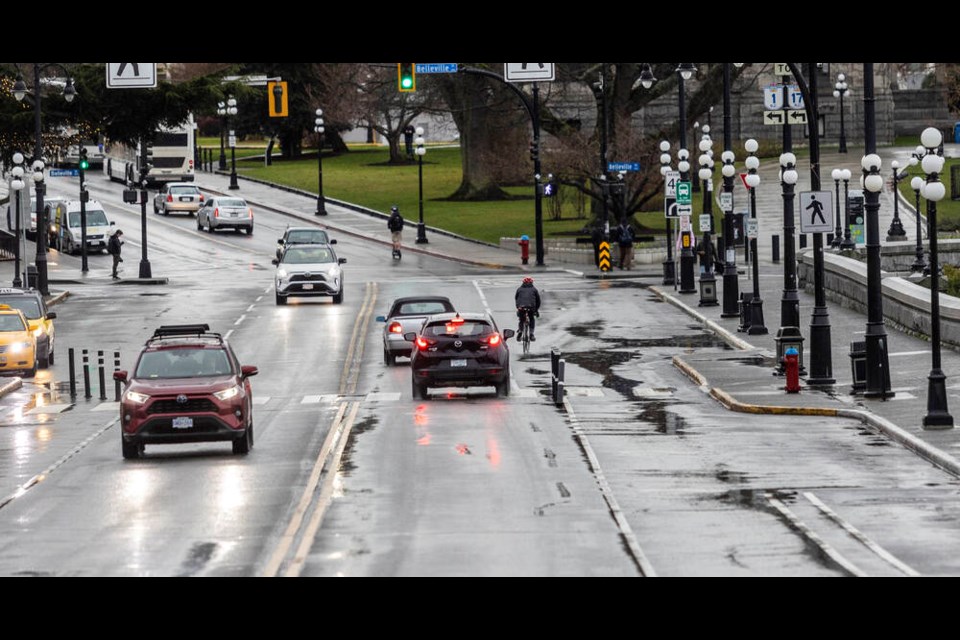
[[172, 161]]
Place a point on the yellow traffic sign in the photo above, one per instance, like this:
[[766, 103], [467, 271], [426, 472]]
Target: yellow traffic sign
[[277, 108], [605, 264]]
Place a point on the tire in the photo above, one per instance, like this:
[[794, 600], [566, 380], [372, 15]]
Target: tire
[[250, 231], [50, 357], [132, 450], [389, 359], [199, 224], [503, 389], [281, 300], [155, 209], [32, 373], [242, 446], [44, 362], [209, 226], [337, 299], [419, 391]]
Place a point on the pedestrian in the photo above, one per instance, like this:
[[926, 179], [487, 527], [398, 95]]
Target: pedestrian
[[113, 248], [625, 240], [596, 237], [395, 224]]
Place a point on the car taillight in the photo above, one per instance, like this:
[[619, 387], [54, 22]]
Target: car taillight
[[169, 197], [423, 343], [494, 340], [395, 327], [250, 211], [201, 197], [191, 164], [216, 212]]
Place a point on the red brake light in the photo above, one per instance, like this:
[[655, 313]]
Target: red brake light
[[250, 210], [494, 340], [169, 197], [216, 212], [395, 327], [421, 343], [201, 197]]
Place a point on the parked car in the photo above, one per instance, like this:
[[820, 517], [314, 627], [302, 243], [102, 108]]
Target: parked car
[[459, 350], [309, 270], [178, 197], [18, 346], [39, 319], [225, 212], [406, 315], [49, 204], [67, 227], [303, 235], [187, 386]]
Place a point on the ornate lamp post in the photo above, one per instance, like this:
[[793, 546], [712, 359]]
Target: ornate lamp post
[[669, 268], [896, 232], [938, 417], [788, 335], [687, 258], [840, 90], [318, 128], [708, 282], [847, 242], [16, 185], [232, 111], [222, 112], [919, 265], [752, 163], [421, 151], [836, 174]]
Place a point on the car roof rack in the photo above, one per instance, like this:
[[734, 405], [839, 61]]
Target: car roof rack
[[184, 330]]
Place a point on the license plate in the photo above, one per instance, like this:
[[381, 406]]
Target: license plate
[[458, 363], [307, 287], [234, 214], [183, 423], [186, 199]]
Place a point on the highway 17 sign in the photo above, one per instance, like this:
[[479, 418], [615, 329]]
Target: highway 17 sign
[[131, 75], [816, 212]]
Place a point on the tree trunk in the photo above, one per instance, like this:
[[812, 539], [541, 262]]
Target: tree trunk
[[335, 140], [290, 144], [393, 140]]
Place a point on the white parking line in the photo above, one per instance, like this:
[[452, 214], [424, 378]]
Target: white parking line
[[250, 308], [259, 298], [49, 408], [240, 319], [227, 334], [107, 406]]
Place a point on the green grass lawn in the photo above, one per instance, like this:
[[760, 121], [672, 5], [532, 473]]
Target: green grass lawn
[[948, 211]]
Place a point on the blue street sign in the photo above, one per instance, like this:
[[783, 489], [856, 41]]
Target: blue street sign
[[436, 67], [623, 166], [65, 172]]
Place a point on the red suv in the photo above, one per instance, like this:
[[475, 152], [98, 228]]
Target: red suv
[[187, 387]]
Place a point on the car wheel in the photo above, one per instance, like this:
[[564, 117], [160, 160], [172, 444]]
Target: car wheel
[[242, 446], [155, 209], [503, 389], [131, 450], [50, 357], [199, 224], [44, 362], [281, 300], [209, 226], [338, 298], [250, 231], [165, 212], [417, 391], [33, 371], [389, 359]]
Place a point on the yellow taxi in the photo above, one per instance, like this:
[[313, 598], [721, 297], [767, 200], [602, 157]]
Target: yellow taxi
[[39, 318], [18, 346]]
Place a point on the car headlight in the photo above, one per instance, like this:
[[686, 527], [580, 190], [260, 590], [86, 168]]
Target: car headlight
[[226, 394], [281, 273], [19, 347], [137, 398]]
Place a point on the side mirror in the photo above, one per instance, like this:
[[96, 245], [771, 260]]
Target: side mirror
[[52, 315], [280, 241], [342, 261], [410, 336], [333, 241], [381, 318], [120, 376], [508, 333], [112, 223], [248, 370], [274, 261]]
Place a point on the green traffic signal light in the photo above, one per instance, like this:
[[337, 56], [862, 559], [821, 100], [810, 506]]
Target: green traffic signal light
[[406, 77], [84, 163]]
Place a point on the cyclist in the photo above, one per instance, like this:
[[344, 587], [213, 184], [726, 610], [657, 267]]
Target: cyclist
[[395, 224], [527, 299]]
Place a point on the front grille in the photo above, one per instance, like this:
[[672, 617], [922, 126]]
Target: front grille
[[314, 277], [192, 405]]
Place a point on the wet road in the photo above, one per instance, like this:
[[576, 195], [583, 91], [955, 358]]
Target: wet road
[[350, 476]]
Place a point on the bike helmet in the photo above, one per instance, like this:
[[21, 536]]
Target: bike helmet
[[394, 209], [528, 280]]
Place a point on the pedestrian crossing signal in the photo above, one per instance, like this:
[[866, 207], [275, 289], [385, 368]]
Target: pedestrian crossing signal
[[685, 240], [406, 77]]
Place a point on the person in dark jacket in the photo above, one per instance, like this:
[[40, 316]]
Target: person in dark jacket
[[527, 297], [113, 248], [395, 224], [625, 240]]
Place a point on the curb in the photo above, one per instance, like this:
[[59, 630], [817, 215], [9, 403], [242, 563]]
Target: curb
[[57, 299], [710, 325], [11, 386]]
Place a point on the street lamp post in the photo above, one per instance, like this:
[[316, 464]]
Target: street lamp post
[[919, 264], [837, 175], [757, 327], [222, 112], [847, 242], [938, 417], [840, 90], [16, 185], [731, 285], [318, 128], [789, 332], [708, 281], [669, 267], [896, 232], [687, 258], [232, 111], [421, 151], [696, 136]]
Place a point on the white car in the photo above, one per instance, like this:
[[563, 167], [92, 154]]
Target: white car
[[225, 212], [309, 270], [178, 197]]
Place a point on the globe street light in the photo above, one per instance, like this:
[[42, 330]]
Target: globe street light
[[789, 332], [919, 265], [840, 90], [222, 112], [896, 232], [837, 175], [421, 151], [938, 417], [17, 185], [318, 129], [708, 282], [847, 242], [752, 163], [232, 111], [669, 268]]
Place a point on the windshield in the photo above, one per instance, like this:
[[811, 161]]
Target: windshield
[[307, 255], [95, 218], [307, 236], [184, 190], [232, 202], [183, 362], [11, 322], [29, 306]]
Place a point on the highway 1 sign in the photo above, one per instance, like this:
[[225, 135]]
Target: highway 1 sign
[[816, 212], [773, 97], [131, 75], [528, 71]]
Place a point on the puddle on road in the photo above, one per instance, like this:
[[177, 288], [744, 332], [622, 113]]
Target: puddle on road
[[198, 557], [665, 422], [537, 372], [591, 330], [601, 363], [346, 464]]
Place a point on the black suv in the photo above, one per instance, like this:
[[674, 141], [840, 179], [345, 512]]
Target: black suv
[[460, 350]]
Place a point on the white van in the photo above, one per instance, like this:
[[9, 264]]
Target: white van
[[65, 227]]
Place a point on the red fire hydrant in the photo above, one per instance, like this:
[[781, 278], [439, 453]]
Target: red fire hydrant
[[524, 248], [791, 360]]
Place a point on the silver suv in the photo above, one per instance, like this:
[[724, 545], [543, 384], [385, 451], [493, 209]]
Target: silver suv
[[309, 270]]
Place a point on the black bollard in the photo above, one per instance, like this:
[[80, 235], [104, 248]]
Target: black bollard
[[803, 241], [116, 383], [100, 372], [86, 375], [73, 374], [775, 239]]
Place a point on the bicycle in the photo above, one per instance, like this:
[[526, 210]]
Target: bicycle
[[523, 335]]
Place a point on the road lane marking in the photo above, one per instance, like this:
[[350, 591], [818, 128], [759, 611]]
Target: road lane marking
[[49, 408], [383, 397], [261, 400], [259, 298], [351, 364], [107, 406], [250, 308], [808, 533], [860, 537], [227, 334], [639, 558], [43, 475], [296, 520], [240, 319], [483, 298]]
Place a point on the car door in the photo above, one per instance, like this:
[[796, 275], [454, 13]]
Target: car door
[[160, 197]]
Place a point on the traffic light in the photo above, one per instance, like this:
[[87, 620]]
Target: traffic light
[[277, 99], [84, 164], [406, 77], [534, 150]]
